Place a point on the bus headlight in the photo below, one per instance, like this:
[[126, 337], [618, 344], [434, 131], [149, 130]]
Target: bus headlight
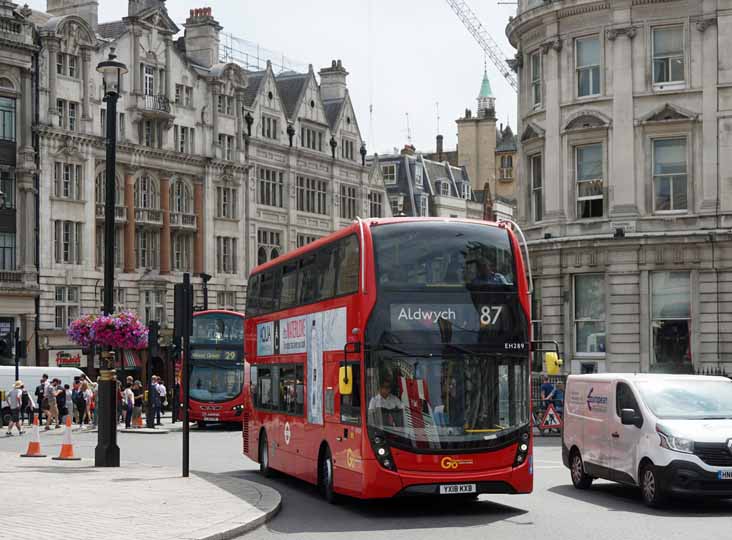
[[383, 454], [522, 450]]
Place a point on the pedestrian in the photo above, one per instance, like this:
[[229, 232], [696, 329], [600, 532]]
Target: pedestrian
[[51, 406], [176, 401], [63, 410], [120, 403], [137, 406], [93, 403], [26, 406], [75, 393], [159, 402], [15, 400], [39, 398], [547, 392], [129, 403], [84, 404]]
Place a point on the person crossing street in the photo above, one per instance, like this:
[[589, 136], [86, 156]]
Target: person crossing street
[[15, 401]]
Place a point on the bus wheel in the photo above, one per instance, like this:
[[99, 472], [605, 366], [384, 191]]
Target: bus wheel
[[326, 477], [580, 478], [264, 456]]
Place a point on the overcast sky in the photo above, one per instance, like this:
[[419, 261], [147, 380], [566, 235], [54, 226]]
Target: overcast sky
[[403, 56]]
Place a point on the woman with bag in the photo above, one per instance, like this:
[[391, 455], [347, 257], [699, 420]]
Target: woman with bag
[[129, 403]]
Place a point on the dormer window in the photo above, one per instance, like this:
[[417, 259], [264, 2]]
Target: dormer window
[[467, 193], [418, 175], [444, 188]]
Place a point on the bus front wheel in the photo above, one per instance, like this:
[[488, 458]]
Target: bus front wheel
[[264, 456], [326, 477]]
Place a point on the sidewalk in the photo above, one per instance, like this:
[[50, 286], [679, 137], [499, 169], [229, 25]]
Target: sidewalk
[[156, 501]]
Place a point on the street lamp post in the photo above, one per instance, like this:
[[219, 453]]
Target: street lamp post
[[107, 452]]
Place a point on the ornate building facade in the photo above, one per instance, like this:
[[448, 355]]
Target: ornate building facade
[[625, 112], [218, 168]]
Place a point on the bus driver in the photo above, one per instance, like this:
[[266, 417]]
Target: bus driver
[[386, 403]]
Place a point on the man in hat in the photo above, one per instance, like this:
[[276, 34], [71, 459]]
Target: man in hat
[[15, 400]]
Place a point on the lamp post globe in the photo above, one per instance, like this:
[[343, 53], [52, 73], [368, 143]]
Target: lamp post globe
[[106, 453]]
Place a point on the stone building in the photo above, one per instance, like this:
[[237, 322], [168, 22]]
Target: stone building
[[625, 123], [18, 276], [218, 168]]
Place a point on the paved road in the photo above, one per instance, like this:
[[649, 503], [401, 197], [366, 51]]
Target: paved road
[[554, 511]]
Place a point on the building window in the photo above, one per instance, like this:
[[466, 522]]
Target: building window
[[67, 306], [67, 181], [67, 114], [424, 206], [100, 194], [671, 313], [668, 55], [589, 313], [227, 202], [225, 255], [67, 242], [226, 142], [226, 300], [120, 123], [7, 119], [7, 251], [147, 248], [118, 298], [536, 75], [271, 187], [67, 65], [376, 204], [466, 192], [149, 80], [444, 187], [119, 246], [305, 239], [181, 199], [182, 252], [537, 188], [397, 204], [506, 169], [183, 95], [587, 60], [669, 175], [348, 202], [269, 127], [589, 181], [146, 193], [418, 177], [311, 138], [183, 138], [153, 305], [151, 134], [537, 359], [347, 149], [225, 104], [311, 195], [269, 245], [389, 173], [7, 186]]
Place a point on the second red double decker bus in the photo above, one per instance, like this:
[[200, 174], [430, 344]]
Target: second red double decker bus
[[392, 358]]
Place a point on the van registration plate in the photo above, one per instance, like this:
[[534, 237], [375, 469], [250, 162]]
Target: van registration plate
[[724, 475], [453, 489]]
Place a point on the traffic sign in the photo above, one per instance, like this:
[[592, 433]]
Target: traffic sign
[[552, 419]]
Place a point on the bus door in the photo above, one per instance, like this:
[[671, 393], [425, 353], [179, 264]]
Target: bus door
[[347, 442], [287, 426]]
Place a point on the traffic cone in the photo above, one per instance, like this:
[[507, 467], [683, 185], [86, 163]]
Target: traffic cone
[[67, 448], [138, 422], [34, 446]]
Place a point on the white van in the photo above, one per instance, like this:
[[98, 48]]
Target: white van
[[31, 377], [667, 434]]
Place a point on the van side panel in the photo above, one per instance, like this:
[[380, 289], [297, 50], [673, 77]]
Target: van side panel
[[587, 411]]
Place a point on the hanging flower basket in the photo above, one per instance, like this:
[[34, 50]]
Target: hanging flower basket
[[119, 331]]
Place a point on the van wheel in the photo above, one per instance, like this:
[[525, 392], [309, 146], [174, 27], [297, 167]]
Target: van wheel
[[326, 477], [264, 467], [580, 478], [651, 489]]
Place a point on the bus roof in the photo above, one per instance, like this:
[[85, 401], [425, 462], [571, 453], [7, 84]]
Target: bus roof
[[224, 311], [353, 228]]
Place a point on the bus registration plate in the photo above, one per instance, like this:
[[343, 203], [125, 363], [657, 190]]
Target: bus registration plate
[[453, 489], [724, 475]]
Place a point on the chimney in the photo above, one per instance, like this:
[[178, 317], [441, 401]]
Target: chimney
[[408, 150], [333, 81], [202, 37], [86, 9], [439, 147]]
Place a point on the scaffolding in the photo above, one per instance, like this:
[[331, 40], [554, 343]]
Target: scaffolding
[[253, 57]]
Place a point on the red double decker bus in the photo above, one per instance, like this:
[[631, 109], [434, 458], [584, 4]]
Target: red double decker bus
[[217, 367], [392, 358]]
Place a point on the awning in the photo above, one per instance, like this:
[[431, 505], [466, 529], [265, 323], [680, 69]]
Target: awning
[[131, 360]]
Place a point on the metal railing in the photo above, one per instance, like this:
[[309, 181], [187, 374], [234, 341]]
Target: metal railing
[[178, 219], [11, 276], [158, 103], [148, 215], [120, 212]]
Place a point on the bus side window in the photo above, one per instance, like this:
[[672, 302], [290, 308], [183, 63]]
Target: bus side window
[[351, 404], [327, 261], [253, 296], [308, 279], [299, 390], [288, 296], [264, 388], [347, 266], [266, 291]]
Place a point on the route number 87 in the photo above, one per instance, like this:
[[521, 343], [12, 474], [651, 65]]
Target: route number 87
[[489, 315]]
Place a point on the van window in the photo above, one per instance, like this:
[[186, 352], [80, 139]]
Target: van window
[[624, 399]]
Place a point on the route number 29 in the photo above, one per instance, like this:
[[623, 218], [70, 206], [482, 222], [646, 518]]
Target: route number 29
[[489, 315]]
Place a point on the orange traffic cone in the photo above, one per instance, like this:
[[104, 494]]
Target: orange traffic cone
[[34, 445], [67, 448], [138, 421]]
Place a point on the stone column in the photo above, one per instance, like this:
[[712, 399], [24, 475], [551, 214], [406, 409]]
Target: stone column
[[26, 102], [25, 222], [52, 51], [85, 64], [198, 246], [165, 232], [168, 79], [129, 258], [554, 192], [135, 68], [215, 122], [708, 29], [622, 197]]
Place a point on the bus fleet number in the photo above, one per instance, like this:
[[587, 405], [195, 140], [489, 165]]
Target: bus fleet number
[[489, 315]]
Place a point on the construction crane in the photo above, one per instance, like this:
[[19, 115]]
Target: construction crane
[[484, 39]]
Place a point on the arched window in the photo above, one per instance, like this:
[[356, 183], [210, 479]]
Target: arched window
[[147, 194], [181, 200], [261, 255], [99, 190]]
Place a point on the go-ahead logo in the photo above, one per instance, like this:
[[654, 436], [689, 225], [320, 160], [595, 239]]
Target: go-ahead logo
[[448, 462]]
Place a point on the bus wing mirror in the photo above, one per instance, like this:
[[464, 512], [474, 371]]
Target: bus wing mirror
[[345, 380]]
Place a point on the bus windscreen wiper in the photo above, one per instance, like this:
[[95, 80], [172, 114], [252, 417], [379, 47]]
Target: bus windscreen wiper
[[405, 353]]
